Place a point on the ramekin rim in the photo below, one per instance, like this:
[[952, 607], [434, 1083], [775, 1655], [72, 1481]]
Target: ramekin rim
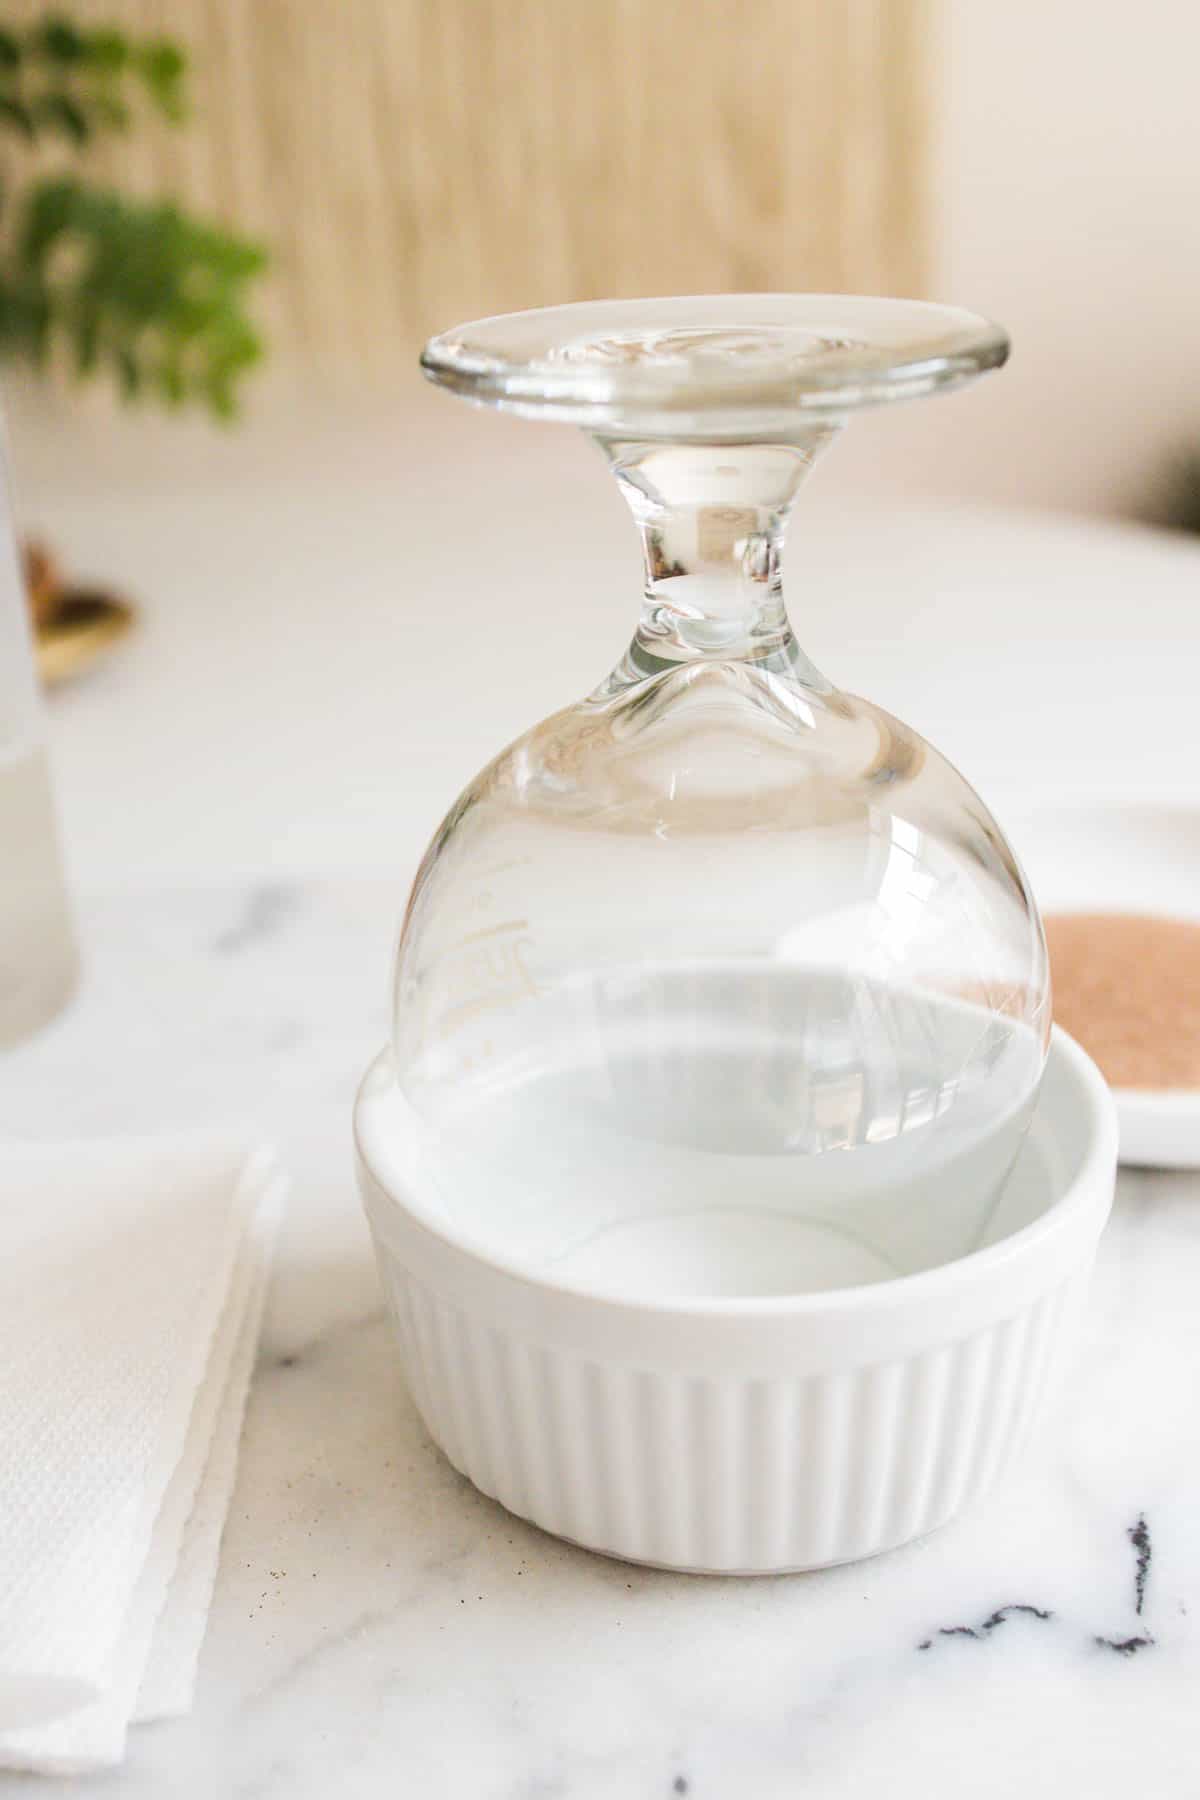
[[1079, 1198]]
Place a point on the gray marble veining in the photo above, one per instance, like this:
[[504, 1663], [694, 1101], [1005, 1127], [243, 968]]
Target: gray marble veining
[[379, 1628]]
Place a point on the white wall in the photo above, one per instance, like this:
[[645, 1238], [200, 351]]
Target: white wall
[[1067, 169]]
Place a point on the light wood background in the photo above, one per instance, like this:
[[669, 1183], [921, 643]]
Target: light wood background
[[415, 162]]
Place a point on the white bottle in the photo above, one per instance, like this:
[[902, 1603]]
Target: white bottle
[[38, 960]]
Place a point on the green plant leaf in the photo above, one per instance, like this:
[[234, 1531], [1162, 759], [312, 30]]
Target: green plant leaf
[[108, 50], [76, 82], [60, 40], [143, 292], [23, 315], [163, 66], [61, 113], [142, 288], [163, 61], [15, 114]]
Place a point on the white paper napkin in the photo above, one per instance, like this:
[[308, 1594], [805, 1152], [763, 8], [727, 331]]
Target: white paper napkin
[[132, 1278]]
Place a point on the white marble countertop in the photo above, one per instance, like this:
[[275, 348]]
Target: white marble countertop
[[329, 653]]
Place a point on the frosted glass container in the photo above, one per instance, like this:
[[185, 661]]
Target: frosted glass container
[[38, 962]]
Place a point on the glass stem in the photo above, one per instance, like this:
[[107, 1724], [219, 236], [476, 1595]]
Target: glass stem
[[712, 519]]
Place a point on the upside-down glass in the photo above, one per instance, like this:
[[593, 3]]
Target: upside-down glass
[[720, 981]]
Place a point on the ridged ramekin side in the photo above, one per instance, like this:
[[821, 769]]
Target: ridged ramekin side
[[736, 1473]]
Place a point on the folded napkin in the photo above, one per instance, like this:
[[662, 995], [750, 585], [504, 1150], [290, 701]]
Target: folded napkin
[[132, 1277]]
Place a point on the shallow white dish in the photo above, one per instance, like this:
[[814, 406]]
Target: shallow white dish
[[1124, 859], [743, 1434]]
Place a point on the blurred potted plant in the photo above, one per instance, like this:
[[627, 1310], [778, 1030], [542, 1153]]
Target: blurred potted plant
[[100, 284]]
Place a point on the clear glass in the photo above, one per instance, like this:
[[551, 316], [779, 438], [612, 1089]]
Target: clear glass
[[38, 962], [720, 981]]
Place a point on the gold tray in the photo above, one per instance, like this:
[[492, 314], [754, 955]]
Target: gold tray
[[85, 627]]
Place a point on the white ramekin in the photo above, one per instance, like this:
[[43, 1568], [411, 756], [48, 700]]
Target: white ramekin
[[742, 1435]]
